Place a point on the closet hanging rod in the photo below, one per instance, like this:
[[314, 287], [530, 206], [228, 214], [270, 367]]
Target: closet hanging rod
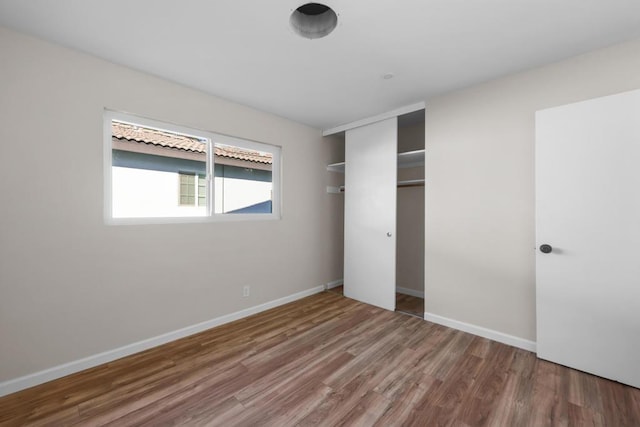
[[406, 183], [411, 183]]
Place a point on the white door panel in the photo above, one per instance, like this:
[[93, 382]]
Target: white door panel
[[588, 210], [370, 213]]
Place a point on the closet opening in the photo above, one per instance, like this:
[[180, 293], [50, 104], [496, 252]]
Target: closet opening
[[410, 214], [404, 281]]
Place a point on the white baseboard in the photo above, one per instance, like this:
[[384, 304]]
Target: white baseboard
[[482, 332], [60, 371], [334, 284], [412, 292]]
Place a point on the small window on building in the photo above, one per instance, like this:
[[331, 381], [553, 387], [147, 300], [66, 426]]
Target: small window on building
[[202, 191], [157, 170], [187, 191], [192, 189]]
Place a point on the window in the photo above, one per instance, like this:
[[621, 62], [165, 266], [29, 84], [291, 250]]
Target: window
[[157, 170], [243, 184], [192, 190]]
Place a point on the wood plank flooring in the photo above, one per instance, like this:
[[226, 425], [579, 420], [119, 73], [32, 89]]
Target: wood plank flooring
[[328, 360], [410, 304], [404, 303]]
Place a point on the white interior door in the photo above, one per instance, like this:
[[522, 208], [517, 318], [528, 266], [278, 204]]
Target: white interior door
[[588, 211], [370, 213]]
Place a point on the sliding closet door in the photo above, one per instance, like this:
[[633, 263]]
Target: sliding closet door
[[370, 213]]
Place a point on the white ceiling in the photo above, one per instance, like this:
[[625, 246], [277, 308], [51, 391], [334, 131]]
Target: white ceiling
[[244, 50]]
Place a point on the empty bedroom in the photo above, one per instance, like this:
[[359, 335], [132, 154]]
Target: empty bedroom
[[346, 213]]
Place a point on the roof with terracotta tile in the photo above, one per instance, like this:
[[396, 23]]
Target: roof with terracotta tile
[[133, 133]]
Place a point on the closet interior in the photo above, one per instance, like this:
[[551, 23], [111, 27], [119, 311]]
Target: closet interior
[[408, 229]]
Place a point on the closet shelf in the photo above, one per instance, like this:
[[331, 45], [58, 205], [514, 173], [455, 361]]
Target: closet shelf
[[409, 159], [336, 167]]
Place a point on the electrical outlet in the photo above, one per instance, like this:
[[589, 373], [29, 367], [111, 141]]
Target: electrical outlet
[[246, 291]]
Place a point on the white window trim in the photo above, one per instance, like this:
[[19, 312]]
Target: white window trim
[[213, 138]]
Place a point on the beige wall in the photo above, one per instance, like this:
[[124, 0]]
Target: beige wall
[[480, 186], [70, 286]]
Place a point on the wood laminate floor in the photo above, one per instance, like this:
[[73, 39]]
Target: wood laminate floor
[[328, 360], [410, 304], [404, 303]]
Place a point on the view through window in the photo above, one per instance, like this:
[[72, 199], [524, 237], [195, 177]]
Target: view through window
[[242, 189], [164, 172]]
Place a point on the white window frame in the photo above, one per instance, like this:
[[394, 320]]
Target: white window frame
[[212, 138]]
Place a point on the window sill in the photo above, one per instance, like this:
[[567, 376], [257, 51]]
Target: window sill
[[192, 220]]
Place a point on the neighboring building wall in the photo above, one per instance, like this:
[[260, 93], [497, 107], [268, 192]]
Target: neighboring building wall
[[480, 224], [71, 286], [144, 185], [234, 194], [147, 193]]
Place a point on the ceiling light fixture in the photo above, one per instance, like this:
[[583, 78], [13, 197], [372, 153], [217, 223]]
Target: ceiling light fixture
[[313, 20]]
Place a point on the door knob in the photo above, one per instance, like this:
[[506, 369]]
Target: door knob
[[546, 249], [388, 234]]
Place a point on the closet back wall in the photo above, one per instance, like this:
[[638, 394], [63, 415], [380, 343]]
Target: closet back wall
[[71, 286]]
